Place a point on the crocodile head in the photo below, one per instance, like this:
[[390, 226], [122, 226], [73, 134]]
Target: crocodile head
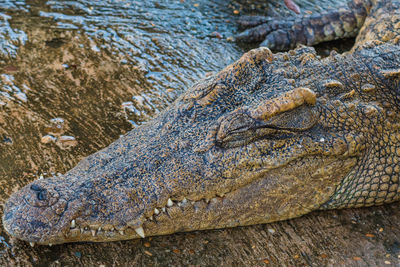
[[268, 138]]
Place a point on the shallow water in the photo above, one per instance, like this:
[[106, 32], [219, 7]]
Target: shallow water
[[74, 75]]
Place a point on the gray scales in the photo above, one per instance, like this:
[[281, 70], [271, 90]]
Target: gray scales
[[270, 137]]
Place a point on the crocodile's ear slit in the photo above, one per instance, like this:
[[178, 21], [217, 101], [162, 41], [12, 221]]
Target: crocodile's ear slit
[[288, 101]]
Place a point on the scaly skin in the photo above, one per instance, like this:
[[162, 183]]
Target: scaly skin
[[284, 34], [271, 137]]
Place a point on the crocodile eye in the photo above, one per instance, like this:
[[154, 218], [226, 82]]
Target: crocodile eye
[[235, 124], [239, 128], [276, 118], [297, 120]]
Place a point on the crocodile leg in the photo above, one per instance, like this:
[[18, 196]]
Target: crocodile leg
[[284, 34]]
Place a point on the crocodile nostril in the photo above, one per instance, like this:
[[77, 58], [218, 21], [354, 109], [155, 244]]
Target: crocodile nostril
[[36, 187], [42, 195]]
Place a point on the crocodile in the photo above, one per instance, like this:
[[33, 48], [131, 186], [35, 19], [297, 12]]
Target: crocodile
[[271, 137]]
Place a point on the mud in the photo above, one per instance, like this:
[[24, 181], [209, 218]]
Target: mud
[[74, 75]]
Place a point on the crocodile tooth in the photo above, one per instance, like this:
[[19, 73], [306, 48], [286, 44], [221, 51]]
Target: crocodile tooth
[[121, 232], [99, 229], [156, 211], [82, 230], [170, 203], [32, 244], [140, 231], [50, 244], [184, 201], [93, 232], [73, 224], [163, 209], [151, 218], [112, 229]]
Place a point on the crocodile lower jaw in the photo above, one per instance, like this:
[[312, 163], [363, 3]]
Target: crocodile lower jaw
[[106, 232]]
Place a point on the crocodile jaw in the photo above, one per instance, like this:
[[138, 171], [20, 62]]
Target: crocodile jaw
[[278, 195]]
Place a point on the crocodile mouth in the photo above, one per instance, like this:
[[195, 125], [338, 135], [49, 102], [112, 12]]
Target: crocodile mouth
[[276, 194], [158, 223], [173, 210]]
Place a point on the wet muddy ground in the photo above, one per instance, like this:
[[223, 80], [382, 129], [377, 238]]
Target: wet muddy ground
[[75, 75]]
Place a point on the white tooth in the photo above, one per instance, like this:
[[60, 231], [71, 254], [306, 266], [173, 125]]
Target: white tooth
[[50, 244], [32, 244], [41, 177], [151, 218], [99, 229], [163, 209], [93, 232], [121, 232], [82, 230], [184, 201], [140, 231], [170, 203], [112, 229], [73, 224], [156, 211], [192, 202]]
